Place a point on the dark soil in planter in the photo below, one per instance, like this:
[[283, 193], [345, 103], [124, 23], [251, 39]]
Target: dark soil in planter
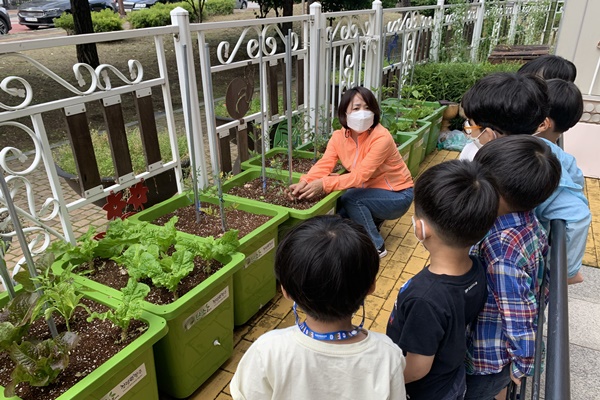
[[301, 165], [210, 223], [97, 343], [275, 194], [111, 274]]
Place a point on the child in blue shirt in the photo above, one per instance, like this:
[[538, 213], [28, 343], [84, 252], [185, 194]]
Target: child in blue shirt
[[568, 201]]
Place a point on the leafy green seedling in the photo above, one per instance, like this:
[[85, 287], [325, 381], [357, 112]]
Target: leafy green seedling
[[130, 308]]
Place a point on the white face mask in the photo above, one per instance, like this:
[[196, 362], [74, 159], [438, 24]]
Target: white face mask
[[361, 120], [476, 141], [414, 223]]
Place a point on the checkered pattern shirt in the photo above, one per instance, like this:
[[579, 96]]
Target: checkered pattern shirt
[[513, 253]]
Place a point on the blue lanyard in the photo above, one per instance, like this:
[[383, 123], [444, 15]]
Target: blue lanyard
[[329, 336]]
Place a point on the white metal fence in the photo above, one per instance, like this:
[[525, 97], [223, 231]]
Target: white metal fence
[[330, 52]]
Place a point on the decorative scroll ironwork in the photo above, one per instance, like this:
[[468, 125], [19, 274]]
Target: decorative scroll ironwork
[[98, 79], [269, 35], [40, 233]]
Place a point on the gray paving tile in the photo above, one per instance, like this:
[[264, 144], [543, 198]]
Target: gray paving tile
[[590, 288], [584, 323]]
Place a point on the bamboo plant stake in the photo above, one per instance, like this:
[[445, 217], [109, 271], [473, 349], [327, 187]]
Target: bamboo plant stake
[[210, 105]]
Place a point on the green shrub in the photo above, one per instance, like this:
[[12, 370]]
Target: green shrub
[[219, 7], [157, 15], [449, 81], [103, 21]]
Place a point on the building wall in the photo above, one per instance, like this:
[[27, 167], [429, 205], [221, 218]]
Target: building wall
[[579, 41]]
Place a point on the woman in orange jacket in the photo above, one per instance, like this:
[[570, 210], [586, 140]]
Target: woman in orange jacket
[[378, 182]]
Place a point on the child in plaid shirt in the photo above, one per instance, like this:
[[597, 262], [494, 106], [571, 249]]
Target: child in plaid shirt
[[502, 342]]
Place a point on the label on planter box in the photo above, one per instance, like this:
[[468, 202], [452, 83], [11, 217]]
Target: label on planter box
[[206, 308], [405, 156], [331, 212], [270, 245], [126, 384], [420, 142]]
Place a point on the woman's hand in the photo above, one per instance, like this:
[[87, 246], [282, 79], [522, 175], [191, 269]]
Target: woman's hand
[[303, 190], [294, 190], [311, 190]]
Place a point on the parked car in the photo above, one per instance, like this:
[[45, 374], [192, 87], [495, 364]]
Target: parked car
[[5, 25], [134, 5], [38, 13]]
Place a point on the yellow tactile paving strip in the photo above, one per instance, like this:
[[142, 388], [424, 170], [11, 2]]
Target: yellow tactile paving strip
[[592, 249]]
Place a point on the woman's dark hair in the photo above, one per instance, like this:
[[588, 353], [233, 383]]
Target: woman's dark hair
[[509, 103], [327, 266], [459, 199], [367, 96], [525, 169], [550, 67], [566, 104]]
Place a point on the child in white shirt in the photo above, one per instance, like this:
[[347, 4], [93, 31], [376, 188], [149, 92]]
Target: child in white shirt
[[327, 265]]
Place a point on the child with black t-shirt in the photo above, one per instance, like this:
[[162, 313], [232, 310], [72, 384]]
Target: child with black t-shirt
[[456, 203]]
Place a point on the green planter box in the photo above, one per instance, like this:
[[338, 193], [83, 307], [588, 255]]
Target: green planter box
[[254, 284], [436, 125], [435, 118], [128, 375], [200, 324], [325, 206], [420, 146], [405, 148]]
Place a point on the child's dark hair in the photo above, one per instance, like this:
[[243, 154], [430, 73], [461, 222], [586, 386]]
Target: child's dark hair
[[550, 67], [508, 103], [367, 96], [525, 170], [459, 199], [327, 266], [566, 104]]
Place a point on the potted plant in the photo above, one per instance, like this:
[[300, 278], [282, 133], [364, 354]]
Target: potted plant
[[159, 188], [414, 97], [67, 363], [254, 284], [191, 288]]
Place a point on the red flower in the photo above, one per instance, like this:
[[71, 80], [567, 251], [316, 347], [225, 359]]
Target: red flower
[[114, 206], [137, 195]]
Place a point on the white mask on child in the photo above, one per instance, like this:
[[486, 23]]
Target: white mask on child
[[361, 120], [476, 141], [414, 222]]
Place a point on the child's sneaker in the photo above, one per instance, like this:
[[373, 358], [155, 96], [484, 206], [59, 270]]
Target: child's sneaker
[[382, 251]]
